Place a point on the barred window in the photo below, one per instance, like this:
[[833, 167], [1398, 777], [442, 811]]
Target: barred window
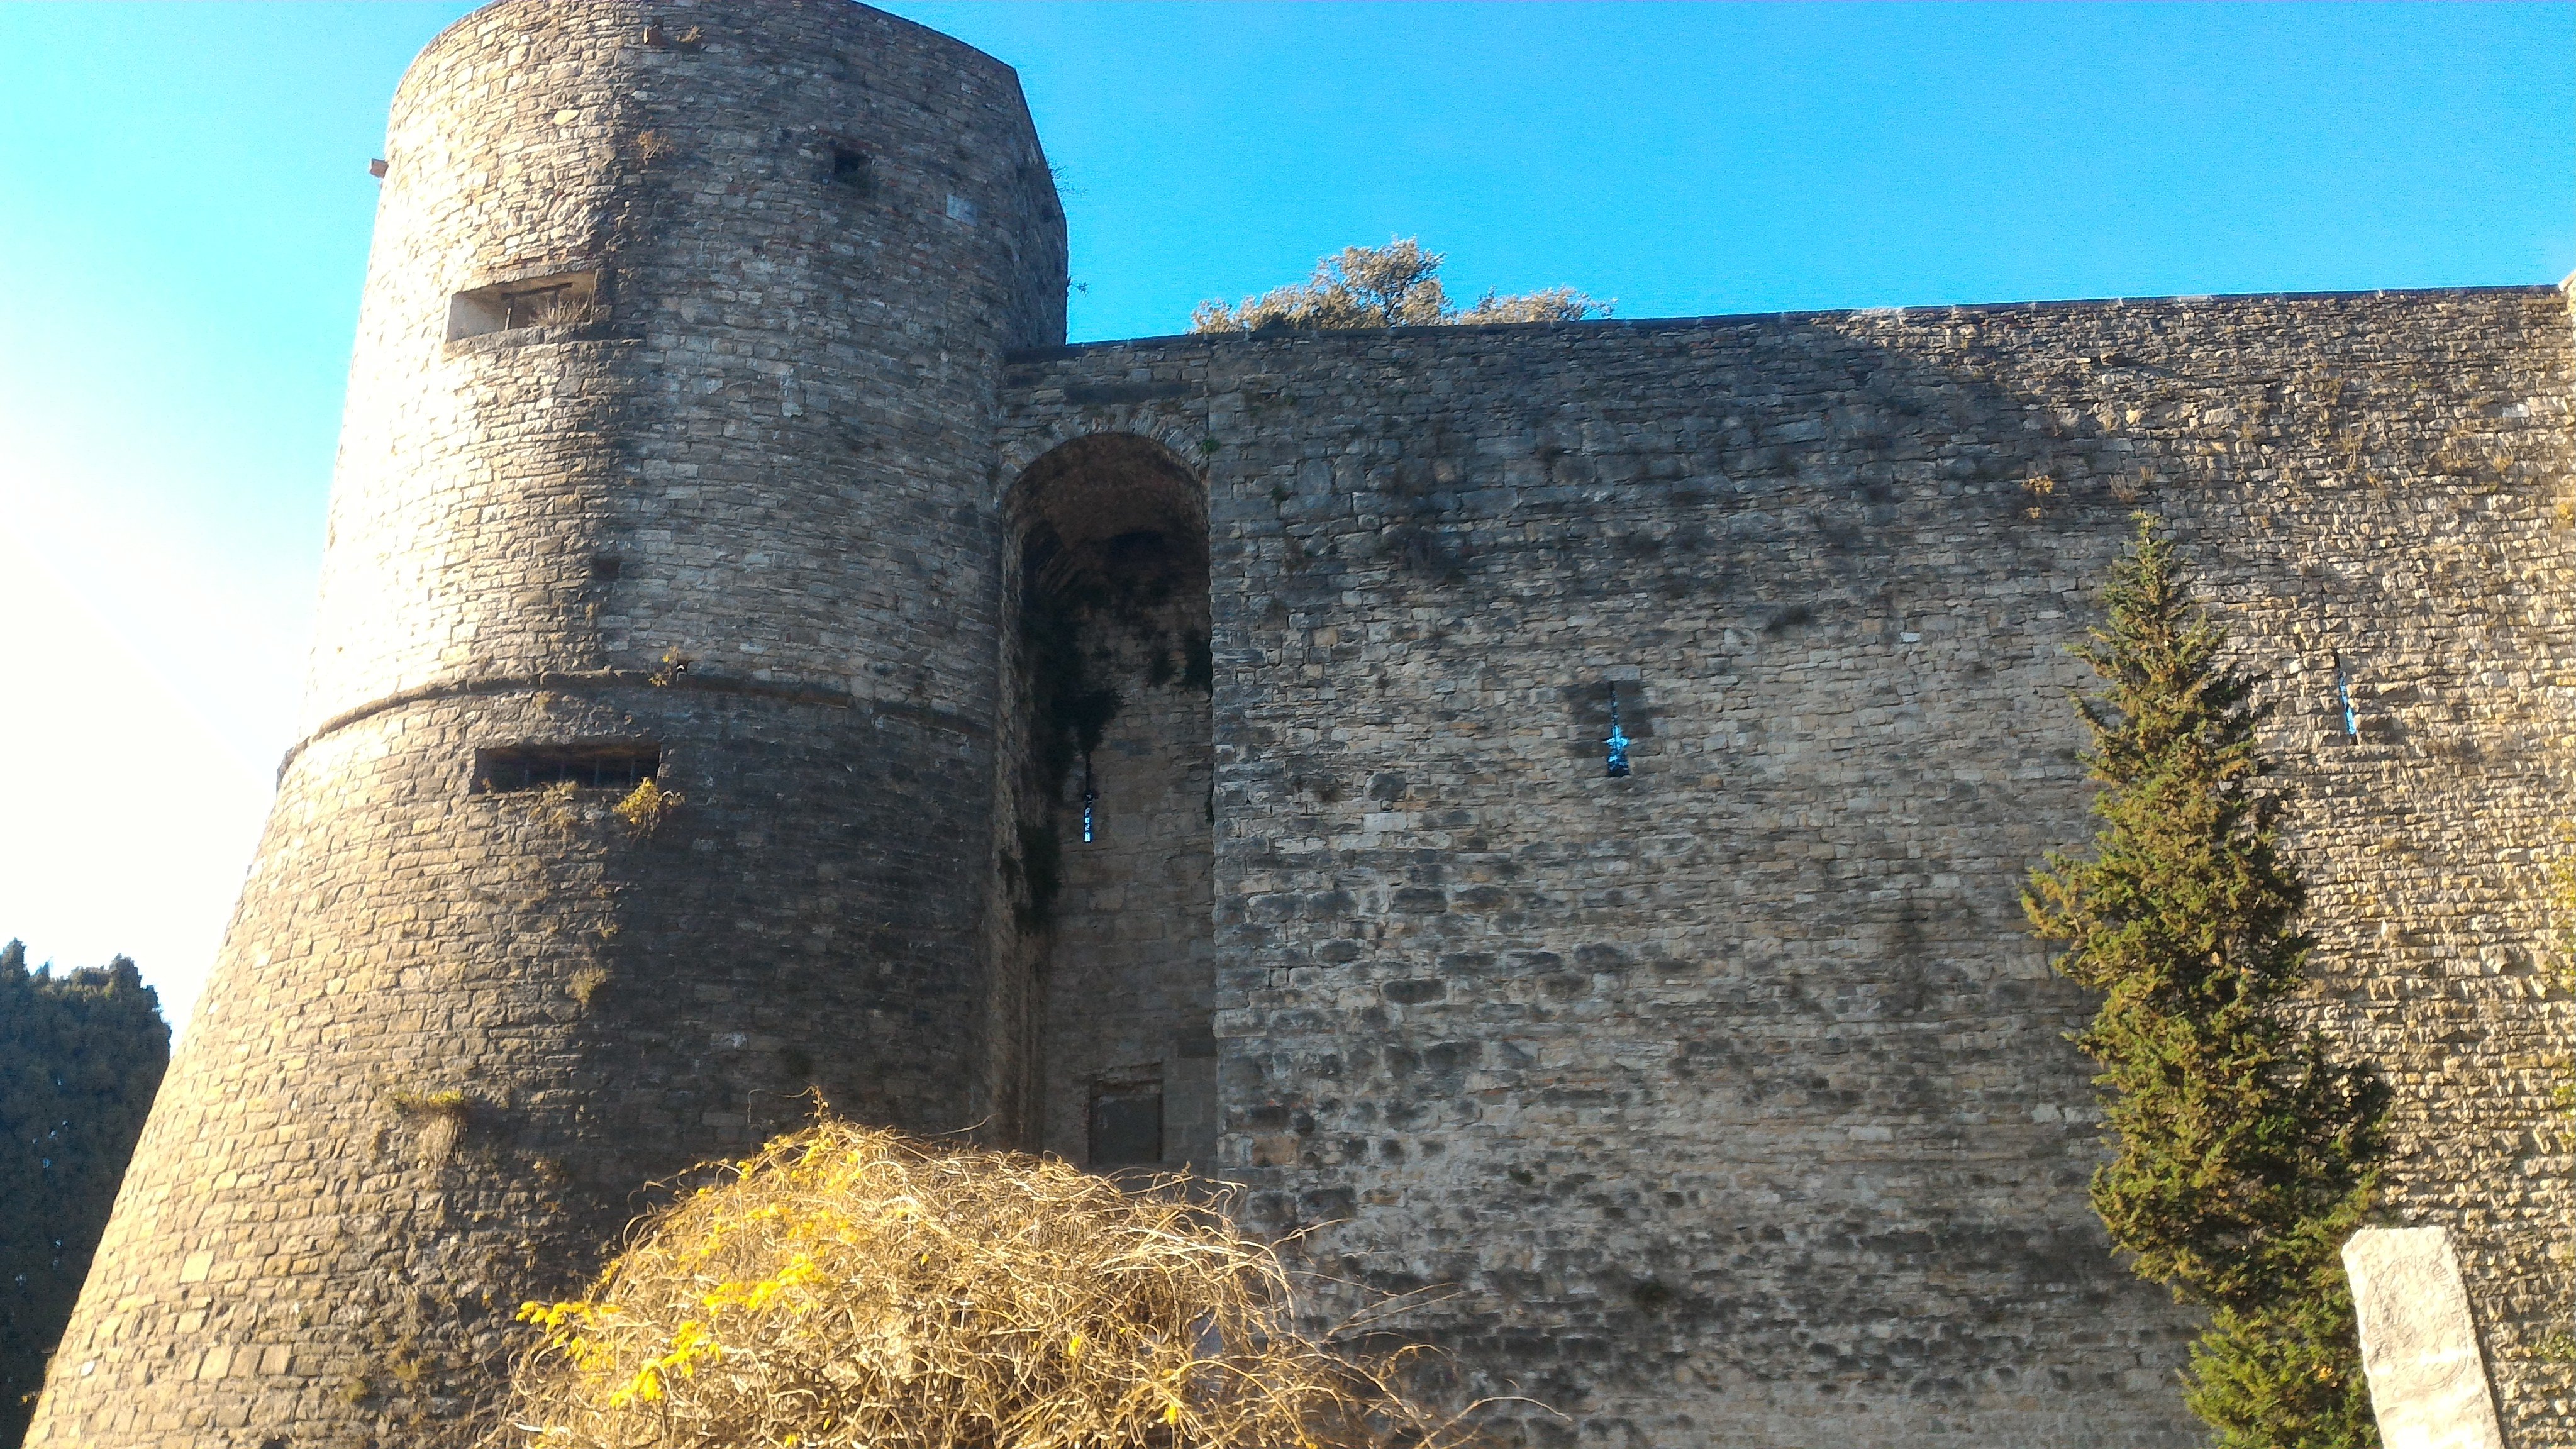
[[534, 767], [564, 299]]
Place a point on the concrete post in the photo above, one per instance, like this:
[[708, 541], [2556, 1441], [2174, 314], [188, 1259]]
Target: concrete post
[[2428, 1383]]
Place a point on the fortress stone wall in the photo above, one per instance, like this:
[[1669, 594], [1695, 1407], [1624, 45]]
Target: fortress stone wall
[[1734, 1093], [457, 1031], [709, 422]]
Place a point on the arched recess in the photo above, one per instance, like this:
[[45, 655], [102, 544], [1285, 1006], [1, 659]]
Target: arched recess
[[1112, 803]]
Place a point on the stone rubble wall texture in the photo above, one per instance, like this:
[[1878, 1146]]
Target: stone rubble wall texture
[[454, 1036], [1130, 967], [1111, 535], [1733, 1094], [1729, 1103]]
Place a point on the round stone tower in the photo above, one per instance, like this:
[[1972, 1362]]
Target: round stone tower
[[646, 785]]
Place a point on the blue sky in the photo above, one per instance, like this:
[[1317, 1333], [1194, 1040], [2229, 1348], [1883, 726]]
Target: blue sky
[[184, 212]]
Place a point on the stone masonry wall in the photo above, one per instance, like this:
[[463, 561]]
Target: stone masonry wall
[[1731, 1100], [1724, 1103], [731, 509], [1131, 967], [1112, 605], [459, 1036], [780, 416]]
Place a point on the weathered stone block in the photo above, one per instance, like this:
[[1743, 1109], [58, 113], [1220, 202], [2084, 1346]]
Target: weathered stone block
[[2419, 1343]]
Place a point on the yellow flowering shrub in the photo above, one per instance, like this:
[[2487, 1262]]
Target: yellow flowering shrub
[[851, 1287]]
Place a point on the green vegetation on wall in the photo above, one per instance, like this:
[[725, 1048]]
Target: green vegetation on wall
[[2245, 1150], [80, 1058], [1396, 285], [1071, 708]]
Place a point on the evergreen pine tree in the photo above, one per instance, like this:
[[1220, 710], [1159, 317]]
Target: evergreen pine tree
[[80, 1058], [2245, 1150]]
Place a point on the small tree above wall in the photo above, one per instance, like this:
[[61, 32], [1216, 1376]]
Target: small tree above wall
[[2245, 1150], [1396, 285]]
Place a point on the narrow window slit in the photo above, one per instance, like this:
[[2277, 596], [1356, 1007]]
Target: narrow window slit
[[1090, 798], [853, 169], [534, 306], [562, 299], [534, 767], [2343, 697], [1618, 742]]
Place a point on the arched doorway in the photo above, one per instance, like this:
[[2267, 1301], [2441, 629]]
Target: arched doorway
[[1114, 805]]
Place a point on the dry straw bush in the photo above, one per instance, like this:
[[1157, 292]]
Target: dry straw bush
[[851, 1287]]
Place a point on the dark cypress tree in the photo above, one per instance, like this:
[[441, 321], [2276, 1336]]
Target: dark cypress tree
[[80, 1057], [2245, 1150]]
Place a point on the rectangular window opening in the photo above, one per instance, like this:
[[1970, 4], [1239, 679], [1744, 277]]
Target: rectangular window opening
[[534, 767], [1126, 1124], [853, 169], [563, 299], [2344, 701]]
